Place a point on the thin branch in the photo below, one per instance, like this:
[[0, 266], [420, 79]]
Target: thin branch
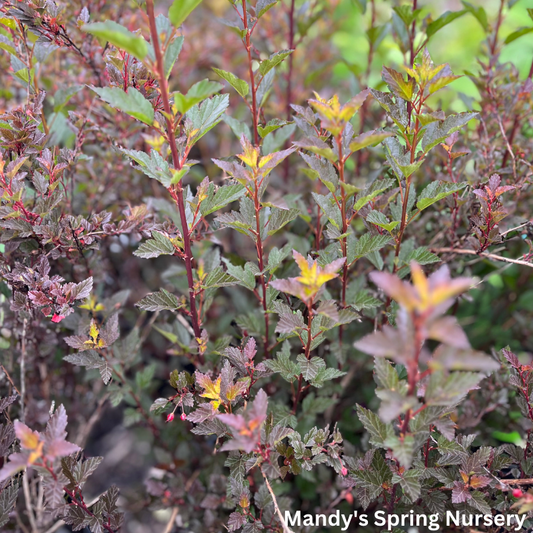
[[9, 379], [177, 193], [528, 481], [286, 528], [488, 255], [515, 228], [27, 498], [171, 522], [23, 371]]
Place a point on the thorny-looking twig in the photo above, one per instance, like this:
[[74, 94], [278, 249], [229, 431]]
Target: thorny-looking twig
[[286, 528], [483, 254]]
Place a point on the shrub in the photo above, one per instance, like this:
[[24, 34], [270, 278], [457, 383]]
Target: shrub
[[213, 314]]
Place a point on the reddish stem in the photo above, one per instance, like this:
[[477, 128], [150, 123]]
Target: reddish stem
[[251, 72], [177, 189]]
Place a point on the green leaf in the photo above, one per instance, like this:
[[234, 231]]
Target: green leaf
[[365, 245], [403, 449], [315, 405], [171, 54], [326, 374], [153, 165], [422, 256], [378, 430], [379, 219], [263, 6], [329, 208], [447, 390], [513, 437], [198, 92], [445, 19], [118, 36], [273, 61], [132, 102], [283, 365], [517, 34], [246, 275], [407, 14], [435, 191], [363, 300], [238, 127], [207, 115], [158, 245], [180, 10], [239, 85], [375, 189], [385, 374], [479, 13], [221, 197], [271, 126], [310, 367], [159, 301], [218, 278], [369, 138], [317, 146], [279, 218], [91, 359], [410, 483], [437, 132], [143, 379], [402, 88]]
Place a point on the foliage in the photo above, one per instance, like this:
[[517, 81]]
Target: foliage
[[200, 217]]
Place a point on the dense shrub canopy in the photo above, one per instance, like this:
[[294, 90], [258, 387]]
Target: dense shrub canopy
[[267, 256]]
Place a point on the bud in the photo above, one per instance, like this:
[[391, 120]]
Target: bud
[[183, 416], [349, 498], [57, 318], [517, 493], [170, 417], [344, 471]]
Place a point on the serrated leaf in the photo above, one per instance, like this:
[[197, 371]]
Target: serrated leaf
[[435, 191], [379, 219], [369, 138], [239, 85], [310, 367], [410, 483], [218, 278], [283, 364], [365, 245], [279, 218], [207, 115], [221, 197], [422, 256], [132, 102], [197, 93], [438, 132], [273, 61], [159, 301], [363, 300], [152, 164], [398, 85], [263, 6], [271, 126], [378, 430], [369, 194], [158, 245]]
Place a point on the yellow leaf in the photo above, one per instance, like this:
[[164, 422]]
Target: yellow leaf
[[212, 389], [312, 275]]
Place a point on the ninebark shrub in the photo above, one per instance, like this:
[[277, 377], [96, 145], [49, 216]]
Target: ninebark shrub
[[211, 242]]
